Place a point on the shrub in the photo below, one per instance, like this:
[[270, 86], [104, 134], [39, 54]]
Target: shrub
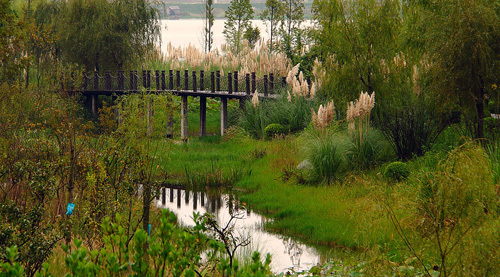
[[493, 107], [293, 115], [492, 128], [397, 171], [274, 129], [326, 157]]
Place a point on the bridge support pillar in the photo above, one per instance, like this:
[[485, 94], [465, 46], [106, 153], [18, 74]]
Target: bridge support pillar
[[93, 104], [184, 118], [223, 115], [203, 116], [170, 127]]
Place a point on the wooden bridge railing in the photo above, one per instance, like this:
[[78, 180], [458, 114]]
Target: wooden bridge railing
[[134, 81]]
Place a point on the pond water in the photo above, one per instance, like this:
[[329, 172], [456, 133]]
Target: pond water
[[286, 253], [190, 31]]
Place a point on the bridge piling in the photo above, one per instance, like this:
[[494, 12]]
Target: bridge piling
[[203, 116], [184, 118], [223, 115]]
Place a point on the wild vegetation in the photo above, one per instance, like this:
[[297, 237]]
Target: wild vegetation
[[390, 155]]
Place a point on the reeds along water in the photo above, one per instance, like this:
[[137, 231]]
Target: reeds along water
[[258, 59]]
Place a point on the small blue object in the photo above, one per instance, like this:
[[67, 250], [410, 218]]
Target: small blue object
[[70, 209], [149, 230]]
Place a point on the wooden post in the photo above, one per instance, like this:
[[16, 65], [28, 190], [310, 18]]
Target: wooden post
[[136, 80], [203, 116], [148, 78], [121, 79], [223, 115], [229, 83], [179, 198], [253, 82], [212, 82], [202, 80], [186, 79], [131, 80], [235, 76], [96, 80], [265, 85], [194, 81], [107, 78], [94, 96], [184, 118], [218, 80], [247, 81], [178, 83], [195, 200], [84, 81], [94, 105], [157, 79], [170, 79], [163, 85], [170, 127], [271, 82]]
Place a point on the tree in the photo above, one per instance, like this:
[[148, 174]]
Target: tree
[[290, 32], [356, 40], [11, 44], [273, 15], [209, 22], [238, 16], [463, 43], [252, 35], [102, 34]]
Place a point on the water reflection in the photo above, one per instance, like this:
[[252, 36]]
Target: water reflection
[[287, 254]]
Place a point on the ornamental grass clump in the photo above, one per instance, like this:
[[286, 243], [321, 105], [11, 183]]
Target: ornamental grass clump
[[324, 116], [364, 153], [358, 115]]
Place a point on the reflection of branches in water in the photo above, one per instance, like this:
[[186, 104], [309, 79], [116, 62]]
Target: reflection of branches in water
[[293, 249], [227, 234]]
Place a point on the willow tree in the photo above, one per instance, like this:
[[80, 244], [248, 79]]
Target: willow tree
[[354, 38], [238, 16], [101, 34], [463, 41]]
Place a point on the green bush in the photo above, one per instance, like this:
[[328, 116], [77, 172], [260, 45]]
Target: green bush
[[326, 155], [493, 107], [492, 128], [397, 171], [293, 115], [274, 129]]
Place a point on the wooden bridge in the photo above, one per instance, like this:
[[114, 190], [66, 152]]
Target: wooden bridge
[[194, 84]]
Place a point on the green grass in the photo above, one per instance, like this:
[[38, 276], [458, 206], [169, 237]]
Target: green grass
[[347, 215]]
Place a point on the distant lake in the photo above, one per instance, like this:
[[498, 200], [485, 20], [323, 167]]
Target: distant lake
[[183, 32]]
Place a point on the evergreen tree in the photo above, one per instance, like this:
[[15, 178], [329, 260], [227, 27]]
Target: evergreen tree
[[238, 17]]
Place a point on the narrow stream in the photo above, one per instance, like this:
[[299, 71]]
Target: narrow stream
[[286, 253]]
